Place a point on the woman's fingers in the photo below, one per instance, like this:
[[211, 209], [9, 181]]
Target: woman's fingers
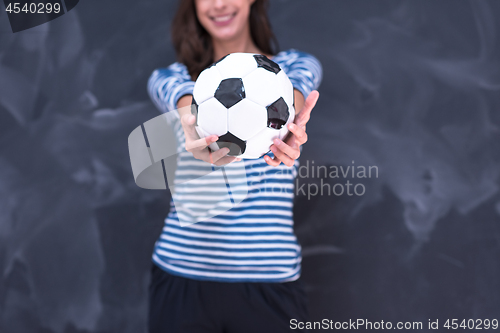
[[285, 153], [281, 147], [187, 122], [282, 156], [200, 144], [218, 154], [304, 114], [218, 157], [274, 162], [298, 132], [226, 160]]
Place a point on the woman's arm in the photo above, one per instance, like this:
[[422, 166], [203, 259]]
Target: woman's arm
[[298, 99], [167, 85], [183, 103], [185, 100]]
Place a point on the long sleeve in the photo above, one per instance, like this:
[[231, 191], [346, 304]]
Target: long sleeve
[[167, 85], [304, 70]]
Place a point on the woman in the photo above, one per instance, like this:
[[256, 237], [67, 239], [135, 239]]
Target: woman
[[238, 271]]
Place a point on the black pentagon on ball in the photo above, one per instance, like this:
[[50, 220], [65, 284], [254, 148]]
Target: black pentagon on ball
[[194, 110], [277, 114], [230, 91], [266, 63], [236, 145]]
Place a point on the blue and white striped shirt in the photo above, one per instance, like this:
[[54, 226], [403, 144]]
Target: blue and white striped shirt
[[253, 241]]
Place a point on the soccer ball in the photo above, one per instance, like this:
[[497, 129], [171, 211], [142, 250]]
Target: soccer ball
[[247, 100]]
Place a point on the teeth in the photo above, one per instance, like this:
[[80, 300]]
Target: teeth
[[223, 18]]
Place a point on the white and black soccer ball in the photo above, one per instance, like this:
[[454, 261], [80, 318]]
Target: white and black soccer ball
[[247, 100]]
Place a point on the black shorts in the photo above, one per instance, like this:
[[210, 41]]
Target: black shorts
[[182, 305]]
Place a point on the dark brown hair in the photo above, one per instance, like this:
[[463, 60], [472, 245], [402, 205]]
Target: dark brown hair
[[193, 43]]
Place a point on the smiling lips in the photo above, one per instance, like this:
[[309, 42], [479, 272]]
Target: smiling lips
[[223, 20]]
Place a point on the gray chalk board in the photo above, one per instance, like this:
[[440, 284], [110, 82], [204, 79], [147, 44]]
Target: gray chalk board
[[410, 89]]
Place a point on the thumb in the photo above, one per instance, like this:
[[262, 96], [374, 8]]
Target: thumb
[[304, 114]]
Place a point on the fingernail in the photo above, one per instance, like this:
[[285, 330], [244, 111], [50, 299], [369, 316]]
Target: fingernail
[[291, 126], [277, 142]]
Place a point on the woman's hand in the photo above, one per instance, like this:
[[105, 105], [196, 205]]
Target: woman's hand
[[199, 147], [289, 150]]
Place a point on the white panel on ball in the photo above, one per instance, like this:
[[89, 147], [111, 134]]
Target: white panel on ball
[[246, 118], [286, 86], [261, 87], [236, 65], [211, 80], [260, 143], [212, 117]]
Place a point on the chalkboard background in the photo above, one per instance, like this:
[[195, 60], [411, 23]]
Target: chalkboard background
[[411, 87]]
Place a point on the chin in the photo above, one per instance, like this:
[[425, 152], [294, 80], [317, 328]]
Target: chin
[[225, 35]]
